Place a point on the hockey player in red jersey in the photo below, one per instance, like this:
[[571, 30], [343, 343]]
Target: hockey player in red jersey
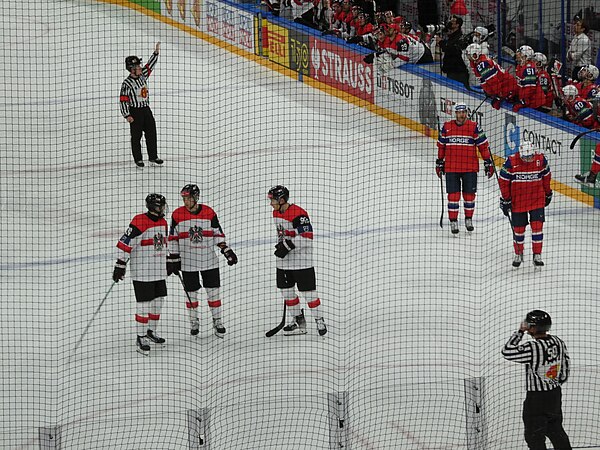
[[495, 82], [544, 78], [294, 252], [579, 110], [194, 236], [530, 91], [525, 189], [587, 87], [458, 143], [144, 246], [589, 179]]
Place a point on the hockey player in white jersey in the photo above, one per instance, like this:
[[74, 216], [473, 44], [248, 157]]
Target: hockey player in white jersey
[[294, 252], [194, 236], [144, 245]]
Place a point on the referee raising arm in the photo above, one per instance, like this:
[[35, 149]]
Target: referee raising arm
[[547, 368], [135, 107]]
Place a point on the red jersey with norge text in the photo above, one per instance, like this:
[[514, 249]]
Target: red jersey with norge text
[[458, 146], [145, 245], [525, 183]]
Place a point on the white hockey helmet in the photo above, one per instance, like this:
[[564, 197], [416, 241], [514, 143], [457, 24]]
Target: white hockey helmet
[[540, 58], [526, 51], [570, 91], [460, 107], [483, 32], [473, 51], [588, 72], [527, 150]]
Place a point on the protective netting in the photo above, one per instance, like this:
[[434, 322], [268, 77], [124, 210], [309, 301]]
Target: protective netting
[[243, 101]]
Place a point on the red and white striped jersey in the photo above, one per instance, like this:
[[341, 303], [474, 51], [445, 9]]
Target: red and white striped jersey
[[145, 244], [294, 224], [458, 145], [526, 183], [195, 237]]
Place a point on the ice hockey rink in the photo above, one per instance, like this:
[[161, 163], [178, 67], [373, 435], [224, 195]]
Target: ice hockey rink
[[413, 313]]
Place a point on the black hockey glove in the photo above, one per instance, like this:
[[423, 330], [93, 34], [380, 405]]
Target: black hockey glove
[[549, 198], [354, 40], [439, 167], [488, 168], [119, 272], [173, 264], [283, 248], [505, 205], [231, 257]]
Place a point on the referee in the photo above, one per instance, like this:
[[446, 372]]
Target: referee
[[135, 107], [547, 368]]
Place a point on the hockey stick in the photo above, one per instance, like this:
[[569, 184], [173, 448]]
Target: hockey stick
[[183, 286], [580, 135], [477, 109], [278, 328]]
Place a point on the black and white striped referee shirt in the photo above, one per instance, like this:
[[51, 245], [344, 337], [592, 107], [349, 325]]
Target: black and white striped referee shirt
[[134, 91], [546, 360]]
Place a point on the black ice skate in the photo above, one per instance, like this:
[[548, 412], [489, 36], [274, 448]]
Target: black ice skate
[[321, 327], [469, 224], [517, 260], [587, 180], [219, 328], [155, 338], [140, 164], [298, 326], [143, 346], [537, 261], [454, 227], [195, 327], [156, 162]]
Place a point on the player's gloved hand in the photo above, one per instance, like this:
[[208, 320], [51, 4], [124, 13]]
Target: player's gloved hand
[[439, 167], [119, 272], [230, 255], [549, 198], [517, 106], [505, 205], [283, 248], [354, 39], [488, 168], [173, 264]]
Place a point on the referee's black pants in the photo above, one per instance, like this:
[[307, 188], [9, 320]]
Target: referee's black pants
[[542, 416], [143, 122]]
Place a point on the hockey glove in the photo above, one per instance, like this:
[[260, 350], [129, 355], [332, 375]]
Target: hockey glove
[[355, 40], [231, 257], [119, 272], [439, 167], [517, 106], [505, 205], [173, 264], [488, 168], [549, 198], [283, 248]]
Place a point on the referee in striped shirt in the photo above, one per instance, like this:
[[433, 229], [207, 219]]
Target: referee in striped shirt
[[547, 368], [135, 107]]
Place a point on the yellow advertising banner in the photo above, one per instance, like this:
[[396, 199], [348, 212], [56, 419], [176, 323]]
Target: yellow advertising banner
[[277, 44]]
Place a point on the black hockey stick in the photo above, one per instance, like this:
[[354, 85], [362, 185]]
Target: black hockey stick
[[580, 135], [183, 286], [278, 328], [442, 214], [477, 109]]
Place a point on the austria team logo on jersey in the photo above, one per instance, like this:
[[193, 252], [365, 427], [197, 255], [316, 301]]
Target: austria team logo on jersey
[[159, 242], [195, 234], [280, 232]]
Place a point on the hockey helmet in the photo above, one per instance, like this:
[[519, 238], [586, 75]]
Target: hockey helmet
[[278, 192], [473, 51], [540, 58], [588, 72], [570, 91], [131, 62], [191, 190], [527, 150], [539, 319], [526, 51], [156, 203], [483, 32], [460, 107]]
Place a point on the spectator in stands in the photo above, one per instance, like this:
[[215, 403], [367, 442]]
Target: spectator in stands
[[579, 110], [458, 8], [545, 80], [579, 53], [452, 46]]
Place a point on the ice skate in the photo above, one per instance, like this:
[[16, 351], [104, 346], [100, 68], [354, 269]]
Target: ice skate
[[321, 327], [298, 326], [588, 179], [537, 261], [517, 260], [155, 338], [219, 328], [143, 345], [469, 224], [156, 162], [140, 164], [195, 327], [454, 227]]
